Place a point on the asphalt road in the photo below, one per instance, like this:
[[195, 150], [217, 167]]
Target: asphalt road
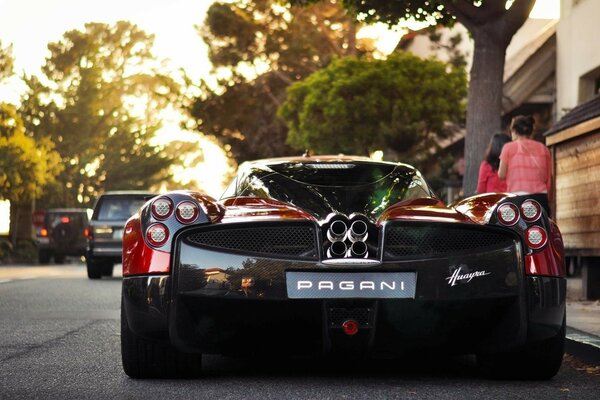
[[59, 339]]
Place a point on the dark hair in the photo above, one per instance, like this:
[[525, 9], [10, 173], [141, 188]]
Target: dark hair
[[492, 154], [522, 125]]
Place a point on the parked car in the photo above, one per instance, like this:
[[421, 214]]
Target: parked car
[[105, 232], [60, 232], [344, 256]]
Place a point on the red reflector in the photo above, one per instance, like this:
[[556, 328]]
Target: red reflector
[[350, 327], [65, 220]]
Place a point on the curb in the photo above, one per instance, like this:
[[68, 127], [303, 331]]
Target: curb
[[583, 345]]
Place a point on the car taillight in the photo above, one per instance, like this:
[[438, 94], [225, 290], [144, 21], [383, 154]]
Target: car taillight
[[186, 212], [157, 234], [531, 210], [536, 237], [162, 208], [508, 214], [87, 232], [43, 232]]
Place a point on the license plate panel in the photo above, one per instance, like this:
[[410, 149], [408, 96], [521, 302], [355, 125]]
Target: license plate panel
[[343, 285]]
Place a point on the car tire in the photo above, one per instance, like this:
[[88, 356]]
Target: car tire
[[44, 256], [94, 269], [537, 361], [107, 269], [143, 358]]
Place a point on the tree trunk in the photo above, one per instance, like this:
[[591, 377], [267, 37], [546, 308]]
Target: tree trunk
[[484, 102]]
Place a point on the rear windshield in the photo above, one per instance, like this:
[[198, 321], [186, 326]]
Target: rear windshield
[[118, 208], [54, 218], [323, 188]]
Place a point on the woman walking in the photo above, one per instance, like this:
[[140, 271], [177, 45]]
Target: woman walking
[[526, 164]]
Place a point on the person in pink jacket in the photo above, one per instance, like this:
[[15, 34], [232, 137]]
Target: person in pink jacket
[[488, 180], [526, 164]]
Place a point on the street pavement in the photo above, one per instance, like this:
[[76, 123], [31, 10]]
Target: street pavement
[[60, 335], [583, 324]]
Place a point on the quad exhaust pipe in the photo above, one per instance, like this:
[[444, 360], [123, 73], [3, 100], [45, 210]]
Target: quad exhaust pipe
[[347, 239]]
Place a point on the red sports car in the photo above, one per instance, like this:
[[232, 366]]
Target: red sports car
[[341, 256]]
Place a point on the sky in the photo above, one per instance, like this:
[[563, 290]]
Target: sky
[[29, 25]]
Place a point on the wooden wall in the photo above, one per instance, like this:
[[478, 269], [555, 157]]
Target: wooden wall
[[577, 178]]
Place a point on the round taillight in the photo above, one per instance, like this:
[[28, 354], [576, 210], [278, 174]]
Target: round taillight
[[157, 234], [531, 210], [508, 214], [186, 212], [536, 237], [162, 208]]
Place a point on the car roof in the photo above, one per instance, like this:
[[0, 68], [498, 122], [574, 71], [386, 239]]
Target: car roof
[[64, 210], [317, 159], [128, 192]]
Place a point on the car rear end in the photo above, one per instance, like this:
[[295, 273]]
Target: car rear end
[[61, 233], [105, 231]]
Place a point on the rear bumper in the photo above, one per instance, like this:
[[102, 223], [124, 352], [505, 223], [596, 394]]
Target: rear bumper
[[105, 251], [233, 304], [240, 325]]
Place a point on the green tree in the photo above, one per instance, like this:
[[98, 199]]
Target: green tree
[[260, 47], [99, 99], [492, 24], [26, 165], [402, 104]]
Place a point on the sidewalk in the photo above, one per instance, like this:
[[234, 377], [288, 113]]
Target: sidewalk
[[583, 324]]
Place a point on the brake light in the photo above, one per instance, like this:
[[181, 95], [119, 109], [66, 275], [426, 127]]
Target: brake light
[[186, 212], [65, 220], [162, 208], [536, 237], [531, 210], [508, 214], [157, 234], [88, 233]]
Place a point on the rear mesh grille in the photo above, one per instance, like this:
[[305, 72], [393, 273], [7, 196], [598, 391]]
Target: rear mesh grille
[[408, 240], [294, 241]]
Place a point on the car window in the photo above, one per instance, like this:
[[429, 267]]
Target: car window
[[119, 208], [54, 219]]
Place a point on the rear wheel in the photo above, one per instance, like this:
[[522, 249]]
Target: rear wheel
[[107, 268], [44, 256], [540, 360], [94, 269], [143, 358]]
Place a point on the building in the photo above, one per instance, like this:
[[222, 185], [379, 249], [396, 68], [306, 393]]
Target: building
[[574, 139]]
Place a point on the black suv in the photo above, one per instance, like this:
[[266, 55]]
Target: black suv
[[62, 234], [105, 233]]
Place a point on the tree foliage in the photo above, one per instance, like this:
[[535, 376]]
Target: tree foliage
[[26, 165], [403, 104], [492, 24], [258, 48], [99, 100]]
